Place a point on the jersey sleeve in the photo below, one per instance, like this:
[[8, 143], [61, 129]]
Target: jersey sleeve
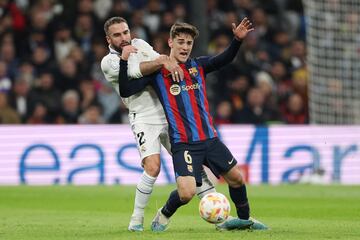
[[128, 87], [110, 68], [145, 53], [213, 63], [149, 51]]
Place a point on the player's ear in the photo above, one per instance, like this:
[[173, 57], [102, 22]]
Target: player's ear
[[170, 42], [108, 39]]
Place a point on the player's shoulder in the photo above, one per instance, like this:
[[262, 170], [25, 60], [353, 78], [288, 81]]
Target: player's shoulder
[[136, 42], [110, 62], [200, 60], [145, 51]]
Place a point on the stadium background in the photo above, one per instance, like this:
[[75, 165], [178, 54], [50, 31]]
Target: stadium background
[[50, 53], [62, 124]]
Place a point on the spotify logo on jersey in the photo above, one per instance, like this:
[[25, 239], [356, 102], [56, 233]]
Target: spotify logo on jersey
[[175, 89]]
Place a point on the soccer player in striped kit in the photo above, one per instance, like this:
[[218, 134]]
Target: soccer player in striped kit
[[146, 115], [194, 140]]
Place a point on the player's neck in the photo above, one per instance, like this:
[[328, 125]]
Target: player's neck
[[173, 58], [114, 50]]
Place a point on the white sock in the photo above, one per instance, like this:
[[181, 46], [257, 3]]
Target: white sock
[[206, 187], [143, 193]]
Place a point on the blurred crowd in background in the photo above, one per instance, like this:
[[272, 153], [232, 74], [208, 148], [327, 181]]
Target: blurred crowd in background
[[50, 53]]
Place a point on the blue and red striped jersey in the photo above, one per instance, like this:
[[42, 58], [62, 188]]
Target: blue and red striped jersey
[[185, 103]]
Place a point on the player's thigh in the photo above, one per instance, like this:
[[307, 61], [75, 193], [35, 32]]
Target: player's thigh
[[147, 139], [188, 161], [219, 158]]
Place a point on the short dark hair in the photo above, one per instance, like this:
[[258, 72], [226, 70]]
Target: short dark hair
[[178, 28], [112, 21]]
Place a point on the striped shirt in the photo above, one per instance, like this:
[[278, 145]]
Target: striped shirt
[[185, 103]]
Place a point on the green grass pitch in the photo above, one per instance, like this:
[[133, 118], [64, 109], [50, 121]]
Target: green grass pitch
[[103, 212]]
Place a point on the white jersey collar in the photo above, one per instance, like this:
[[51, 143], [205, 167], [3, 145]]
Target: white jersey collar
[[113, 51]]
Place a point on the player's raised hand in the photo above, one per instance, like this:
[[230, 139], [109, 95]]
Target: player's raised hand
[[126, 51], [240, 31]]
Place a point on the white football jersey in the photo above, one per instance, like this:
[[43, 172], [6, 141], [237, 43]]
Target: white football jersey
[[144, 107]]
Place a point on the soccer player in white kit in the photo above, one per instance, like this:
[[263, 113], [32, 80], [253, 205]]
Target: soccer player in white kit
[[146, 115]]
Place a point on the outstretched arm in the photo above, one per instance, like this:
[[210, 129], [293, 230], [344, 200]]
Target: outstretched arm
[[213, 63], [128, 87], [150, 67], [139, 68]]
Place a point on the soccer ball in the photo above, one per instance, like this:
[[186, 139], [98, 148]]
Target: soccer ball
[[214, 207]]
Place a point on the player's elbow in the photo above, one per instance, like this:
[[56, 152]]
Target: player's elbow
[[125, 94]]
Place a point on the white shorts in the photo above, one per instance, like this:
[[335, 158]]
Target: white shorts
[[150, 137]]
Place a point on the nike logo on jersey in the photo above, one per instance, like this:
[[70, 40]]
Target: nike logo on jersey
[[230, 162]]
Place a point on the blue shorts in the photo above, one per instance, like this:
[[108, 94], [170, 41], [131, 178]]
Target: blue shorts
[[189, 158]]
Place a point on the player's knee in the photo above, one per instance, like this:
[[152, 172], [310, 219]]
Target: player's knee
[[186, 195], [234, 178], [236, 181], [152, 166], [152, 169]]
